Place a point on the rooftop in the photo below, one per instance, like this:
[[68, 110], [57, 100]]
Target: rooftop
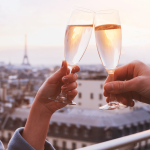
[[91, 117]]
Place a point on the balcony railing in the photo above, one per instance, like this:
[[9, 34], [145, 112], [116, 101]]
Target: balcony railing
[[138, 141]]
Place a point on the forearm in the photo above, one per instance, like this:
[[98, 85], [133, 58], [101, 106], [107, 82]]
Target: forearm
[[37, 125]]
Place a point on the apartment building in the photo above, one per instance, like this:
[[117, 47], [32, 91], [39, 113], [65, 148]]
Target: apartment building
[[72, 128], [90, 94]]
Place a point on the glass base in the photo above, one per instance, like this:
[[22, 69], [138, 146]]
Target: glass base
[[122, 106], [112, 106], [62, 99]]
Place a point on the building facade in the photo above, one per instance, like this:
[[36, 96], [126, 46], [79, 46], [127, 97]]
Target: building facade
[[72, 128]]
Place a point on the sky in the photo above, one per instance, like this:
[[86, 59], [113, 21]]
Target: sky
[[44, 22]]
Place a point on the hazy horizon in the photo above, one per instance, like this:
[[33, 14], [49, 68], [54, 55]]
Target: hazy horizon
[[55, 55]]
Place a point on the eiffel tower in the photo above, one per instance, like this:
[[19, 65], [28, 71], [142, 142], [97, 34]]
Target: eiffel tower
[[25, 57]]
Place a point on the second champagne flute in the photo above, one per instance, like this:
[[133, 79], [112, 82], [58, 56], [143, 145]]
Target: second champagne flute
[[109, 41], [77, 37]]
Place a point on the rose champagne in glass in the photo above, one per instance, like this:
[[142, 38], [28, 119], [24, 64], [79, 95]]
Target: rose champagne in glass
[[109, 41], [77, 36]]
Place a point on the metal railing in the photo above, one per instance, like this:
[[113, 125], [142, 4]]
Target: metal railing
[[123, 143]]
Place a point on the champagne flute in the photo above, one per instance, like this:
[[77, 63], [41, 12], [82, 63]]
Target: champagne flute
[[109, 41], [77, 36]]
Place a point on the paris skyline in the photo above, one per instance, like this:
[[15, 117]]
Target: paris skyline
[[45, 21]]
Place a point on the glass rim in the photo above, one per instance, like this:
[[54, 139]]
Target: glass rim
[[83, 9], [107, 11]]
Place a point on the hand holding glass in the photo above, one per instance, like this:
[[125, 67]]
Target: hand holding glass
[[77, 37]]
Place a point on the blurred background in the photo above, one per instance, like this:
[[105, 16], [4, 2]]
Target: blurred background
[[44, 22], [32, 48]]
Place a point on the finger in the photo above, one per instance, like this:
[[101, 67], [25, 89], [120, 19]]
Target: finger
[[121, 73], [107, 80], [75, 69], [132, 103], [68, 71], [71, 94], [117, 87], [69, 87], [106, 94], [59, 74], [133, 95], [137, 96], [128, 102], [70, 78], [127, 72], [124, 72], [107, 99], [123, 100]]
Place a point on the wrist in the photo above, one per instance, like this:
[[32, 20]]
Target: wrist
[[37, 126], [42, 109]]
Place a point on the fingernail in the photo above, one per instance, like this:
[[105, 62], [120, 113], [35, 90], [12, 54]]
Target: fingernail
[[109, 87], [62, 65], [64, 88], [73, 70], [132, 103], [124, 102], [75, 75], [65, 80]]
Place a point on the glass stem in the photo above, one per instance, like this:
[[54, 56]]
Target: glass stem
[[70, 67], [62, 92], [112, 97]]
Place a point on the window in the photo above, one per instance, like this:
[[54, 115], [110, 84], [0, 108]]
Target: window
[[91, 95], [56, 129], [140, 127], [9, 136], [75, 132], [108, 134], [85, 133], [101, 86], [55, 143], [73, 146], [11, 123], [100, 96], [64, 145], [146, 126], [133, 129], [24, 122], [100, 105], [79, 104], [80, 95], [65, 131], [83, 145], [126, 131], [79, 84], [120, 133]]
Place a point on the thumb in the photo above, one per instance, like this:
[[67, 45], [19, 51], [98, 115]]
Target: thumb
[[117, 87], [56, 77]]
